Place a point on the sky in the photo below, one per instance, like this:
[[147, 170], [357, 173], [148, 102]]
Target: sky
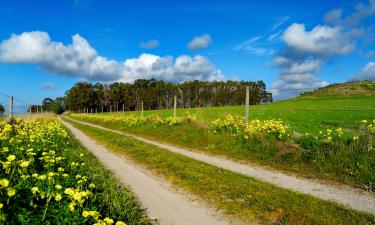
[[293, 46]]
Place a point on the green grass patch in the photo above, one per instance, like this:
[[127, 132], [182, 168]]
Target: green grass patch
[[237, 195]]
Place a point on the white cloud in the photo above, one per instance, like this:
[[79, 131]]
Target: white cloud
[[306, 51], [200, 42], [322, 40], [361, 11], [333, 17], [79, 59], [297, 75], [371, 53], [366, 73], [181, 69], [48, 86], [254, 46], [150, 44], [280, 23], [274, 36]]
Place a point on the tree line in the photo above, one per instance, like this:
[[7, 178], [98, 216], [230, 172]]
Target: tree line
[[154, 94], [2, 110]]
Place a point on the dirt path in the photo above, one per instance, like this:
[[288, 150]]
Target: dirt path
[[162, 202], [353, 198]]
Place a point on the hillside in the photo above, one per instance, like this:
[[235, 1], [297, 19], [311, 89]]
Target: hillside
[[343, 90]]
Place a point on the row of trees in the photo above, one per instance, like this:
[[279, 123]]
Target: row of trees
[[157, 94], [49, 105], [2, 110]]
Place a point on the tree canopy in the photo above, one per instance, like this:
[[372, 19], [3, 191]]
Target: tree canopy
[[157, 94]]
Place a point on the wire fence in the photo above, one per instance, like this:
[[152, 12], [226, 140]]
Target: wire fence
[[19, 106]]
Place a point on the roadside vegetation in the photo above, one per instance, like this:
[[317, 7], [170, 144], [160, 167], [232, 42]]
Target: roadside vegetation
[[332, 154], [46, 177], [240, 196], [327, 136]]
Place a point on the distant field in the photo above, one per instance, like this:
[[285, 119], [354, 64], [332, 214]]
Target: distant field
[[303, 114]]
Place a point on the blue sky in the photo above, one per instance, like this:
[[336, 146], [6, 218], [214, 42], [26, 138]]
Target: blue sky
[[287, 44]]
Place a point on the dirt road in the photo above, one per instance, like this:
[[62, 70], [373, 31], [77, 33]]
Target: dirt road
[[168, 206], [342, 194]]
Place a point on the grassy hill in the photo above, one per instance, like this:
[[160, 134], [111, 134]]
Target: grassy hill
[[343, 90], [341, 105]]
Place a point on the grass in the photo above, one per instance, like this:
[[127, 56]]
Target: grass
[[237, 195]]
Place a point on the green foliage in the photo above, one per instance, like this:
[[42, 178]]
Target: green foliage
[[159, 95]]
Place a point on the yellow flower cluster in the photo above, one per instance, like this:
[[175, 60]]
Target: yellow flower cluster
[[137, 121], [237, 126], [369, 125], [229, 123], [277, 128], [31, 158]]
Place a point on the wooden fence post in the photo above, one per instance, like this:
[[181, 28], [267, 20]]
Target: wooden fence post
[[174, 105], [142, 108], [123, 107], [247, 104], [11, 107]]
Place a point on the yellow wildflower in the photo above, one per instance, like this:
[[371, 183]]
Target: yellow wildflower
[[24, 164], [11, 191], [85, 213], [4, 182], [11, 158], [108, 220], [34, 190], [58, 197]]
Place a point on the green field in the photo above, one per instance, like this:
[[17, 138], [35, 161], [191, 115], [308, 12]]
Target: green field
[[303, 114], [339, 106]]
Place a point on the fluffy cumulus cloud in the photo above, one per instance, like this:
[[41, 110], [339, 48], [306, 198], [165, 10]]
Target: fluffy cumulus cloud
[[166, 68], [321, 41], [200, 42], [366, 73], [79, 59], [150, 44], [306, 50]]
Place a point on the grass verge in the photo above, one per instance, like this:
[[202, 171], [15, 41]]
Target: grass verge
[[237, 195]]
